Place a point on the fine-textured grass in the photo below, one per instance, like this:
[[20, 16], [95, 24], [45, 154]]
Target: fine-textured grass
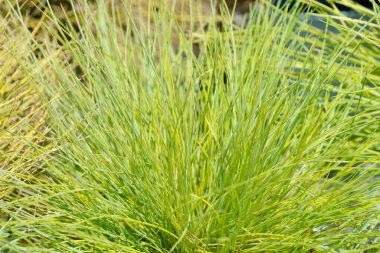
[[268, 141], [22, 119]]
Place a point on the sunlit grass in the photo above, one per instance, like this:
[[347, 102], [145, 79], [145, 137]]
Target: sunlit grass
[[22, 121], [268, 141]]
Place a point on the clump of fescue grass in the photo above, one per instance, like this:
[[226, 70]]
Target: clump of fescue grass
[[267, 142]]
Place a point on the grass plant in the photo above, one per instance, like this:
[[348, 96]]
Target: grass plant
[[267, 141]]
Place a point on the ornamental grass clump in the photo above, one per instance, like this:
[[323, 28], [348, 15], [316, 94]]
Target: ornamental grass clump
[[267, 141]]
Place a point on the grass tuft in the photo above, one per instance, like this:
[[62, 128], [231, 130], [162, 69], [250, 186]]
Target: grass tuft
[[267, 141]]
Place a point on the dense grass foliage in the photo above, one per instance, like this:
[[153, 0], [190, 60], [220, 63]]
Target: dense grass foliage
[[268, 141], [22, 122]]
